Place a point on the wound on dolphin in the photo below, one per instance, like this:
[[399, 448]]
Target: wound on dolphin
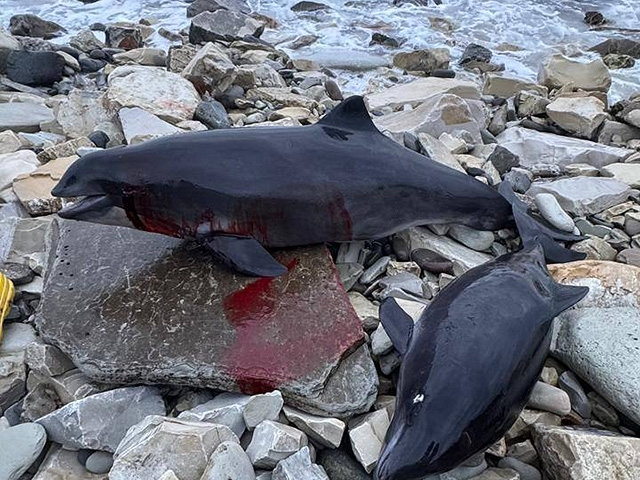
[[239, 191], [469, 363]]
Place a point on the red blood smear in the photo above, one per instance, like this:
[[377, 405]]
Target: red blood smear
[[279, 338]]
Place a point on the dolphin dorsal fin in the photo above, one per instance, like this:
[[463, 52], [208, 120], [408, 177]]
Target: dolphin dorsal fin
[[397, 323], [566, 296], [351, 114]]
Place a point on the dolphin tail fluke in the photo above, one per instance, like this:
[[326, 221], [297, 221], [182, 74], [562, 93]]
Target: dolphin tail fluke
[[537, 231], [244, 254]]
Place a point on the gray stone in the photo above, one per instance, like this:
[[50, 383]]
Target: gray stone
[[138, 125], [299, 467], [229, 461], [523, 451], [474, 239], [222, 25], [425, 61], [23, 117], [523, 425], [273, 442], [213, 114], [533, 147], [549, 399], [21, 446], [498, 474], [225, 409], [200, 6], [99, 462], [526, 472], [9, 142], [366, 310], [520, 179], [551, 210], [630, 256], [603, 410], [628, 173], [598, 339], [262, 407], [160, 277], [571, 454], [322, 430], [583, 195], [579, 401], [366, 434], [375, 270], [158, 444], [617, 133], [595, 248], [80, 113], [507, 87], [380, 341], [100, 421], [61, 464], [340, 465], [40, 401], [463, 472], [13, 371]]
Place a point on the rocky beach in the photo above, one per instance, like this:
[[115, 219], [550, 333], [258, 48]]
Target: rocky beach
[[129, 355]]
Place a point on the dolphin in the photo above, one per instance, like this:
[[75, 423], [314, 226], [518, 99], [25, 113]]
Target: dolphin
[[469, 363], [240, 190]]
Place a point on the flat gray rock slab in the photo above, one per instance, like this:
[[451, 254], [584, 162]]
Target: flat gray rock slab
[[133, 307], [599, 338], [23, 117]]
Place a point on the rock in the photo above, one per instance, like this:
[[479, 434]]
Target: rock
[[17, 273], [273, 442], [307, 6], [9, 142], [463, 258], [281, 97], [534, 147], [138, 125], [596, 340], [630, 256], [91, 65], [13, 165], [200, 6], [530, 104], [83, 423], [507, 87], [149, 88], [127, 36], [158, 444], [34, 189], [213, 114], [64, 149], [179, 56], [28, 25], [34, 68], [558, 71], [572, 454], [617, 133], [262, 75], [86, 41], [99, 462], [62, 464], [7, 42], [579, 401], [21, 446], [527, 419], [549, 399], [475, 53], [223, 25], [340, 465], [615, 61], [425, 61], [12, 369], [47, 359], [526, 472], [366, 311], [474, 239], [262, 407], [551, 210], [225, 409], [619, 46], [366, 434], [520, 179], [603, 410], [229, 461], [583, 195], [628, 173], [225, 358], [153, 57], [324, 431], [595, 248], [23, 117], [438, 114], [416, 92], [211, 69], [80, 113], [436, 150], [498, 474], [299, 467], [578, 115], [432, 261]]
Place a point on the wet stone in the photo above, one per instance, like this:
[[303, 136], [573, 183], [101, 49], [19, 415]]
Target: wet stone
[[170, 294], [17, 273], [579, 401], [431, 261]]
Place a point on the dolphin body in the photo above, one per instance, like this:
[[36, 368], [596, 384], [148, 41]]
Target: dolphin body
[[469, 363], [238, 191]]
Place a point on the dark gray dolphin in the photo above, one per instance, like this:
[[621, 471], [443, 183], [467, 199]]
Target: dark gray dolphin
[[240, 190], [470, 362]]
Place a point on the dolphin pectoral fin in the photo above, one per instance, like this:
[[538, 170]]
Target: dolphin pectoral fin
[[566, 296], [245, 255], [534, 231], [397, 323]]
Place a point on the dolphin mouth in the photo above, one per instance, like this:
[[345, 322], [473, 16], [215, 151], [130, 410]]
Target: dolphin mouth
[[96, 209]]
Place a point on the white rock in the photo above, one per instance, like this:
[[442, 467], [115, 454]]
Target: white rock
[[262, 407], [24, 117], [506, 87], [324, 431], [272, 442], [583, 195], [162, 93], [14, 164], [21, 445], [229, 461], [558, 71], [225, 409], [579, 115], [628, 173], [538, 147], [211, 67], [158, 444], [416, 92], [139, 125], [551, 210], [455, 145], [8, 42], [9, 142], [438, 151], [366, 434], [80, 113], [299, 467]]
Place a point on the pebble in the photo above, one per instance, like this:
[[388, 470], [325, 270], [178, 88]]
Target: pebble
[[551, 210], [431, 261], [579, 400], [527, 472], [549, 399], [474, 239], [99, 462]]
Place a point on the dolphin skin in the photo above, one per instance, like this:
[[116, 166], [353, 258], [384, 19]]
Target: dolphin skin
[[469, 363], [240, 190]]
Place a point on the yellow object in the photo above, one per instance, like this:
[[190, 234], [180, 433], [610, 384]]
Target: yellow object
[[6, 297]]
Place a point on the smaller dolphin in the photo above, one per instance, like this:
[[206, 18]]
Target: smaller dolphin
[[469, 363]]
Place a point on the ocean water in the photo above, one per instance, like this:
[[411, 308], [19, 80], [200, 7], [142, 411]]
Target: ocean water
[[521, 33]]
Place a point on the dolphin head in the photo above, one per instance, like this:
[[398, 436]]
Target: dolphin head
[[93, 182]]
